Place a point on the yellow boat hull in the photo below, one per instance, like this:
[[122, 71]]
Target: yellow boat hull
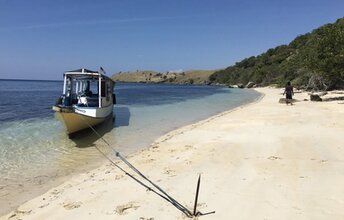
[[75, 122]]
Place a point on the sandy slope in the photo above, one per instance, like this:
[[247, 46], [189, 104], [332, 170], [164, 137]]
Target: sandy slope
[[262, 161]]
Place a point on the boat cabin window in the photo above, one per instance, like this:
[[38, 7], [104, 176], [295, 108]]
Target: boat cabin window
[[88, 88], [81, 87], [85, 91]]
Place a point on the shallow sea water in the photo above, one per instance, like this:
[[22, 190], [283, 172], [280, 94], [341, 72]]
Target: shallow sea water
[[35, 150]]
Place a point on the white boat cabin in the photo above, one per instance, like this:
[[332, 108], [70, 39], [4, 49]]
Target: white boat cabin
[[87, 88]]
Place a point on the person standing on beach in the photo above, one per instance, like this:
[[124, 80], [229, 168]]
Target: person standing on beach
[[289, 92]]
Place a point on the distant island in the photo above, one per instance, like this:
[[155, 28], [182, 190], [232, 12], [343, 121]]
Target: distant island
[[313, 60], [181, 77]]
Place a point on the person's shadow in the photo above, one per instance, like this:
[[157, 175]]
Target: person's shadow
[[87, 137]]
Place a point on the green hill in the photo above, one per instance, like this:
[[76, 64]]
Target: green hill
[[313, 60]]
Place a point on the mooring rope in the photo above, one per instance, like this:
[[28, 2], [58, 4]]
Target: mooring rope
[[162, 193]]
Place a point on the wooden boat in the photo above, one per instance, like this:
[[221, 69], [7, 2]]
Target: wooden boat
[[87, 100]]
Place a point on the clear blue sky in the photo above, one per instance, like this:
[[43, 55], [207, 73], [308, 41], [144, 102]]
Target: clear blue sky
[[39, 39]]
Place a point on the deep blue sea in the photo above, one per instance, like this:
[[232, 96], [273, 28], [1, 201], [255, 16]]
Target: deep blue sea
[[35, 151]]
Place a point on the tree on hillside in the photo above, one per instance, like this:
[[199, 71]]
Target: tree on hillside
[[325, 54]]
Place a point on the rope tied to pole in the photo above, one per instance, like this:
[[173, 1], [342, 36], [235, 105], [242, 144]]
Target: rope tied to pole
[[156, 189]]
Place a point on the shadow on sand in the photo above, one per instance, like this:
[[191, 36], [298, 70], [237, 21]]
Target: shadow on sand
[[87, 137]]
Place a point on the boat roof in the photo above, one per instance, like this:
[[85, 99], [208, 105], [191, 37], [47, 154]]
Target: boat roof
[[87, 74]]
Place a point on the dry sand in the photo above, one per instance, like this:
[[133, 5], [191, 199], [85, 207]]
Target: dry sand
[[262, 161]]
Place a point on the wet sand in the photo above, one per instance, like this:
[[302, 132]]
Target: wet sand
[[264, 160]]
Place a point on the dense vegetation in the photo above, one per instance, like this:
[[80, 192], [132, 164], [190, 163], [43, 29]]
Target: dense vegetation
[[313, 60]]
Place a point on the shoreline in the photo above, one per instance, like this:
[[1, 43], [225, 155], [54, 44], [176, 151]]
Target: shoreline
[[262, 156], [41, 183]]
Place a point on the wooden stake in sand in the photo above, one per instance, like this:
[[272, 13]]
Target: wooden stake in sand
[[195, 213], [160, 192]]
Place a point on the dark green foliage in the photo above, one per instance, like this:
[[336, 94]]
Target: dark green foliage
[[319, 54], [324, 54]]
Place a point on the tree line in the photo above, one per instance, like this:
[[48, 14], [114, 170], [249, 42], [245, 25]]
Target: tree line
[[313, 60]]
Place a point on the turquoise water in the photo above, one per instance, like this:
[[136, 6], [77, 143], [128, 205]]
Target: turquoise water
[[34, 150]]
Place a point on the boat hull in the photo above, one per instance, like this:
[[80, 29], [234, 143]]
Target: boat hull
[[75, 122]]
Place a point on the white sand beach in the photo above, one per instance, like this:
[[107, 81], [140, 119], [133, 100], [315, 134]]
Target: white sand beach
[[264, 160]]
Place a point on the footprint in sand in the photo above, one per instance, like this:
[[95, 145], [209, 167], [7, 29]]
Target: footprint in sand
[[149, 160], [188, 162], [274, 158], [172, 150], [55, 192], [169, 172], [125, 209], [188, 146], [72, 205], [155, 146], [117, 177], [17, 214], [44, 205]]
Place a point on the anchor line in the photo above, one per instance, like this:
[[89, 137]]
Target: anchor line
[[160, 192]]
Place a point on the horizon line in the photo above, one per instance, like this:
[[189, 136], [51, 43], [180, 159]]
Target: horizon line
[[52, 80]]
